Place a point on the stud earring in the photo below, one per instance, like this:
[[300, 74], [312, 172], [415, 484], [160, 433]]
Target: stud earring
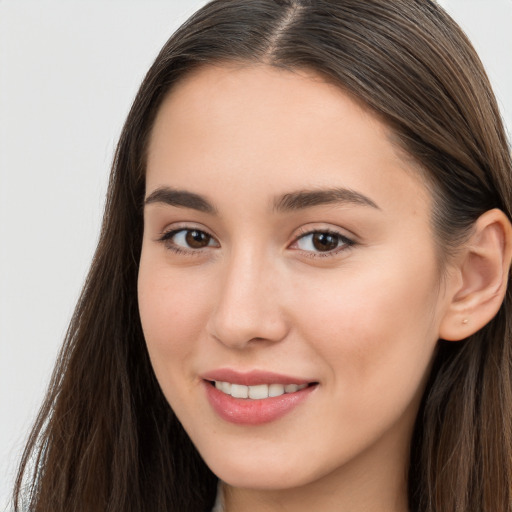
[[465, 321]]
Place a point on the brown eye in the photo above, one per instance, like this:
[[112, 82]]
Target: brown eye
[[188, 239], [325, 241], [197, 239]]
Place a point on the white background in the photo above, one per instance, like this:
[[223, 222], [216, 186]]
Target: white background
[[68, 73]]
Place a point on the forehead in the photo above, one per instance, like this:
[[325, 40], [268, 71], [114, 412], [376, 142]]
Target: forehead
[[236, 130]]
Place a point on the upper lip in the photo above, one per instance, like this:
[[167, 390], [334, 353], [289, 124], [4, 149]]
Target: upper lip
[[251, 378]]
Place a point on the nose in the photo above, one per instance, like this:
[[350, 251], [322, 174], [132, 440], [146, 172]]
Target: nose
[[248, 309]]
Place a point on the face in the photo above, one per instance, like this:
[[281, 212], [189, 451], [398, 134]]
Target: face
[[287, 252]]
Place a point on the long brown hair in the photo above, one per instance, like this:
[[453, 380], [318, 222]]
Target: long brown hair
[[106, 439]]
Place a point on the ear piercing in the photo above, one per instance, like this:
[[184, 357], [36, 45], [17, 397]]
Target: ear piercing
[[465, 321]]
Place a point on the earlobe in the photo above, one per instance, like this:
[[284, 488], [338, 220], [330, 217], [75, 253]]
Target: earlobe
[[482, 274]]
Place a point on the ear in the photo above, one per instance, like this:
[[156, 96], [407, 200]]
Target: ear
[[479, 282]]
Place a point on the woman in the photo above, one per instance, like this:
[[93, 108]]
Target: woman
[[300, 290]]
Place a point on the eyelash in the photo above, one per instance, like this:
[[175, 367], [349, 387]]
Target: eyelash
[[344, 243], [166, 239]]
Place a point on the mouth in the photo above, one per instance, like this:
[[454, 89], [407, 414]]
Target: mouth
[[259, 391], [256, 397]]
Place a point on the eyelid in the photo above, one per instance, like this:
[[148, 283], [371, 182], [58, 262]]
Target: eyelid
[[347, 241], [166, 235], [184, 226]]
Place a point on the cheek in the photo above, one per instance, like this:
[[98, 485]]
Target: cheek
[[173, 309], [377, 327], [374, 334]]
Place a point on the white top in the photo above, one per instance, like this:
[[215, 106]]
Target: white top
[[219, 502]]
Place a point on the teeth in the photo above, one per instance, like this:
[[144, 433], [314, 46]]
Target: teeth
[[226, 388], [239, 391], [258, 392], [275, 390]]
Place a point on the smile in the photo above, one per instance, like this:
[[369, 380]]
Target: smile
[[258, 392], [255, 404]]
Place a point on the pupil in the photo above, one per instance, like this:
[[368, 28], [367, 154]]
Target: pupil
[[197, 239], [325, 241]]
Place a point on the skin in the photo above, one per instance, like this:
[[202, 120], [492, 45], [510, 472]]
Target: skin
[[361, 320]]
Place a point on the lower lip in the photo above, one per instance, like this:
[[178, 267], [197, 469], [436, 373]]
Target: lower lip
[[243, 411]]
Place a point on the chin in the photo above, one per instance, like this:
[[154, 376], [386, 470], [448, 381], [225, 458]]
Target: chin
[[257, 479], [271, 474]]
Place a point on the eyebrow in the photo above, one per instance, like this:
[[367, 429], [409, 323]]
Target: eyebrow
[[288, 202], [180, 198], [309, 198]]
